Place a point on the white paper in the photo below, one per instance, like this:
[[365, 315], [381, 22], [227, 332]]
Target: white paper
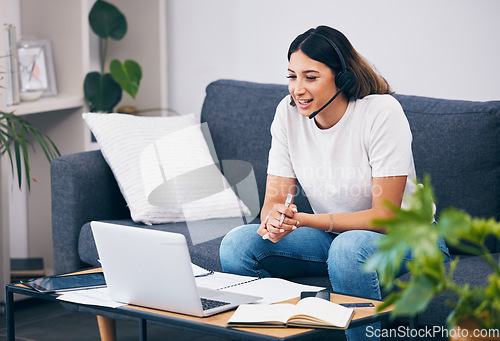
[[255, 313], [198, 271], [99, 297], [271, 290]]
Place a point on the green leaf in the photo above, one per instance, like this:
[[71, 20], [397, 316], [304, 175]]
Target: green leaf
[[481, 229], [17, 153], [453, 224], [24, 148], [409, 229], [128, 75], [415, 298], [391, 299], [107, 21], [387, 264], [15, 133], [101, 92], [5, 137]]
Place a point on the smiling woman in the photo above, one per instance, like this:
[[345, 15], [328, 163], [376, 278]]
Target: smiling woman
[[311, 84], [352, 74], [346, 140]]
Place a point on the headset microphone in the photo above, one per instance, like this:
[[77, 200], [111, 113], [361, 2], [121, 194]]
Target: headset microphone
[[345, 86], [344, 79]]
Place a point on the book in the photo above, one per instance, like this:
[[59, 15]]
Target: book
[[254, 286], [310, 312]]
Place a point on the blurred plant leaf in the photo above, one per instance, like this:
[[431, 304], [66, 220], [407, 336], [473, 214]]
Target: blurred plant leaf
[[411, 232], [101, 92], [453, 224], [128, 75], [107, 21], [15, 133], [409, 229]]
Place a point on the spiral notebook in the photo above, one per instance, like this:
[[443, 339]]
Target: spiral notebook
[[254, 286]]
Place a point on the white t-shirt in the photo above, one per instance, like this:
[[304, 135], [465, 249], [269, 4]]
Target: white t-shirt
[[335, 166]]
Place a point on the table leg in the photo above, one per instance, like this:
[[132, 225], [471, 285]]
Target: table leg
[[107, 328], [143, 330], [9, 314]]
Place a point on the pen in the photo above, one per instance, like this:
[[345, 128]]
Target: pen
[[287, 203], [357, 305], [204, 274]]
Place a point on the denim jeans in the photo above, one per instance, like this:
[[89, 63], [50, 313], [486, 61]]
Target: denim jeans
[[310, 252]]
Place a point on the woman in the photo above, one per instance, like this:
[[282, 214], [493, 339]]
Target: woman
[[351, 153]]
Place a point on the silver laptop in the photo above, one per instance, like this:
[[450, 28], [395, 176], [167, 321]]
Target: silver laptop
[[153, 269]]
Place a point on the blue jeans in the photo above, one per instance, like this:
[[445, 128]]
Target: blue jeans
[[310, 252]]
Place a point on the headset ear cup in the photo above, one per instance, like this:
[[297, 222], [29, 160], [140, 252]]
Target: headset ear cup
[[345, 79]]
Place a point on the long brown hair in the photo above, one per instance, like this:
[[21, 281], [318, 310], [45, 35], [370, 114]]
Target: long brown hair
[[316, 47]]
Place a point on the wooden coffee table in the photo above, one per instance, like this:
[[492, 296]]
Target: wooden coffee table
[[215, 324]]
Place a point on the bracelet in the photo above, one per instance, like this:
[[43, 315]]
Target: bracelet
[[330, 229]]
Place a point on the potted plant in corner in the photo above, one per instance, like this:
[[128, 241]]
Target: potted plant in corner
[[103, 90], [16, 133], [413, 229]]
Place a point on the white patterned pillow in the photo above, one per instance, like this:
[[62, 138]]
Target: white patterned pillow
[[163, 167]]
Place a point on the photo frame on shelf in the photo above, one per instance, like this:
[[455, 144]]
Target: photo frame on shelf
[[36, 68]]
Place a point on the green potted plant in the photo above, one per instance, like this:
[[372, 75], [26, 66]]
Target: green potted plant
[[413, 229], [18, 134], [103, 90]]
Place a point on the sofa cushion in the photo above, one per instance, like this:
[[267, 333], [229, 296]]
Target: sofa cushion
[[456, 142], [164, 168]]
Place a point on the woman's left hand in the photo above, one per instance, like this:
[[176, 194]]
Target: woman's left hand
[[271, 229]]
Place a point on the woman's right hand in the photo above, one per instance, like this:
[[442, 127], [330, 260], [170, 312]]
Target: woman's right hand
[[270, 227]]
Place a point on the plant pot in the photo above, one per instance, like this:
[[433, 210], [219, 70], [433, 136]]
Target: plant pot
[[468, 330]]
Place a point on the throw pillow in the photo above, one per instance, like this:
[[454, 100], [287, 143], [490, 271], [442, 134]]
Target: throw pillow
[[161, 165]]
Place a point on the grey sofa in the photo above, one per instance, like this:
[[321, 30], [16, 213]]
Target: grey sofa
[[456, 142]]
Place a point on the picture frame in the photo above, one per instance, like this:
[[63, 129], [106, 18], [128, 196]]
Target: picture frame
[[36, 67]]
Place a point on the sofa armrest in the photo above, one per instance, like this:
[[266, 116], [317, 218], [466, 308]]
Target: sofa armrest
[[83, 189]]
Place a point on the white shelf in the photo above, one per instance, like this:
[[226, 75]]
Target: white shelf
[[59, 117], [47, 104]]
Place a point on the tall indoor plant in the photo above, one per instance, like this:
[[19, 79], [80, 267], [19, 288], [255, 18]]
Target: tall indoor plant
[[16, 135], [103, 90], [413, 229]]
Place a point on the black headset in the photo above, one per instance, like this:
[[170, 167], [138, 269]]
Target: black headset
[[344, 79]]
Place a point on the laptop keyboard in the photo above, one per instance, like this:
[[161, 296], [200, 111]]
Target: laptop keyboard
[[210, 304]]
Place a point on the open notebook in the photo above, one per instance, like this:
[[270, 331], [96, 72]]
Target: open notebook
[[310, 312]]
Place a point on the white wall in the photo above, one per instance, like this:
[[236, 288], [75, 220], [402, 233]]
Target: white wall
[[436, 48]]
